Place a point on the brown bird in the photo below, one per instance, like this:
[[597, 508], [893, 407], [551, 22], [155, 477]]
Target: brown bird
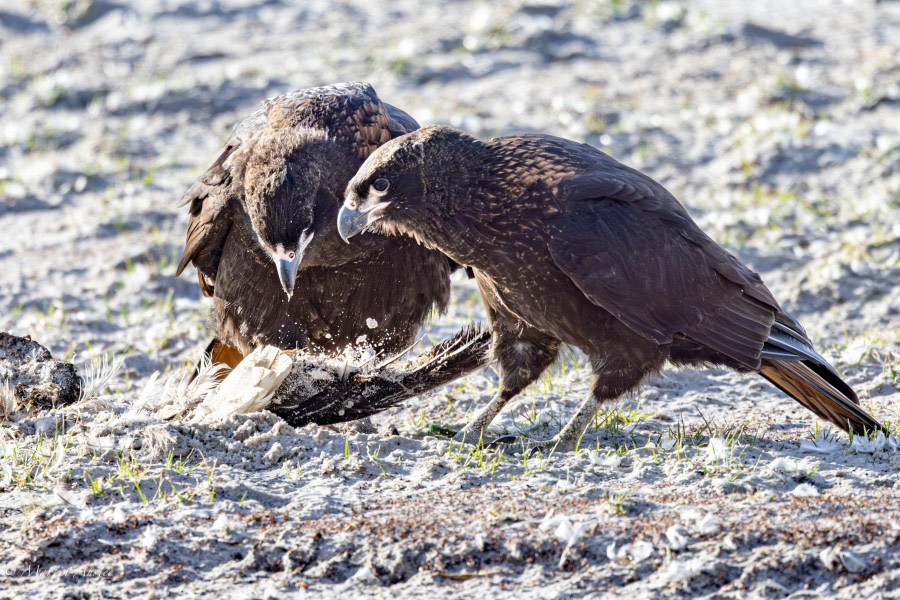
[[570, 246], [262, 233]]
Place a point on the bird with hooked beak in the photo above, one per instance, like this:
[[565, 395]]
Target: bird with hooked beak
[[571, 247], [263, 239]]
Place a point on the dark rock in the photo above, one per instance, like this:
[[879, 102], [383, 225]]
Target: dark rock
[[203, 57], [37, 380], [15, 22], [543, 9], [74, 15], [779, 39]]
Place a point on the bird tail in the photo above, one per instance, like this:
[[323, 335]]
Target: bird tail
[[365, 393], [790, 363]]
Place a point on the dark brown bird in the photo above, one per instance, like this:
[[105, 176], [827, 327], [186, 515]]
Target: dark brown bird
[[262, 233], [570, 246]]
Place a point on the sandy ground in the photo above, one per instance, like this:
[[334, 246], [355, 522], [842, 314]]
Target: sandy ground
[[784, 144]]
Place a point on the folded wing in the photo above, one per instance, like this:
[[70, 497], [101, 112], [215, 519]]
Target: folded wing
[[633, 251]]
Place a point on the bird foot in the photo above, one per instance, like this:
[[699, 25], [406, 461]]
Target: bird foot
[[487, 442], [521, 445], [464, 435], [461, 435], [468, 435]]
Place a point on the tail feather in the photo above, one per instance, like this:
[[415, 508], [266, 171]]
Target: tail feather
[[789, 325], [799, 347], [822, 393], [790, 363]]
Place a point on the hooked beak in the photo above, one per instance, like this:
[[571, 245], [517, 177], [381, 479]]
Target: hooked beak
[[352, 220], [287, 262]]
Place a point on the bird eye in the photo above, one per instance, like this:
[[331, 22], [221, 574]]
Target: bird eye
[[379, 186], [290, 255]]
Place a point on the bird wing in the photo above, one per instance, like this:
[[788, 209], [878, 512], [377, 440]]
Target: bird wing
[[208, 224], [209, 221], [632, 249]]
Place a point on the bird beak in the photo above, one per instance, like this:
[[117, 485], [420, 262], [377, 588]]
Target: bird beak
[[287, 266], [287, 271], [352, 220]]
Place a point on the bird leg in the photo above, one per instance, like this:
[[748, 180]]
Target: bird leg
[[610, 380], [522, 356], [219, 353], [475, 429], [570, 435]]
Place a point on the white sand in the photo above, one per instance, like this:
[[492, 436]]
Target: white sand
[[706, 484]]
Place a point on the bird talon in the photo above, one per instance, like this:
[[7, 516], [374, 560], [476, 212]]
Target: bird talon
[[522, 445], [504, 440], [470, 436]]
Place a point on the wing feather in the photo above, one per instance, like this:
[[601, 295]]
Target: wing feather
[[209, 221], [632, 249]]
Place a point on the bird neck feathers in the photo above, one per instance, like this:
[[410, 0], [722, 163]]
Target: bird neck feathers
[[458, 184]]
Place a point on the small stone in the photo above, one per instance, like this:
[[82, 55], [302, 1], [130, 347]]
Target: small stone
[[677, 537], [45, 425]]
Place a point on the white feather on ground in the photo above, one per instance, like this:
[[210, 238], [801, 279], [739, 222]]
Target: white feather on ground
[[248, 388]]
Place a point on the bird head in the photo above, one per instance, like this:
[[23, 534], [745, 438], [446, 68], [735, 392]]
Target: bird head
[[291, 194], [403, 180]]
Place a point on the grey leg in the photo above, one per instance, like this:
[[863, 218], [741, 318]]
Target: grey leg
[[476, 429], [522, 355], [567, 439], [611, 379]]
